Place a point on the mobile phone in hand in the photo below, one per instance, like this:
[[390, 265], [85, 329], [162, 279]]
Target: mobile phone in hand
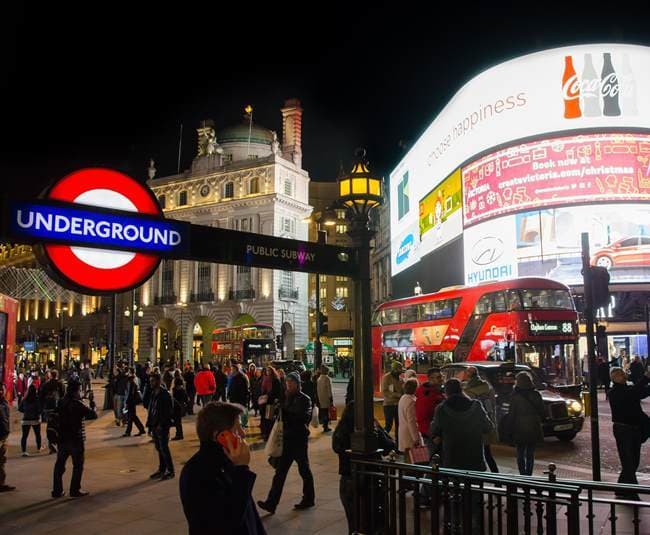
[[228, 440]]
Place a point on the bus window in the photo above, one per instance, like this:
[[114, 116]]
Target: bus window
[[431, 359], [391, 316], [492, 302], [376, 317], [513, 299], [553, 299], [440, 309], [410, 314]]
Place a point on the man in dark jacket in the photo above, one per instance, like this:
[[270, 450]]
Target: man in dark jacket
[[188, 377], [4, 435], [525, 415], [132, 399], [461, 423], [50, 393], [239, 389], [216, 484], [72, 412], [159, 420], [296, 414], [220, 381], [119, 394], [630, 424], [603, 375]]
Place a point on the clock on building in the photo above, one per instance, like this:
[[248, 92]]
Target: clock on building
[[205, 190]]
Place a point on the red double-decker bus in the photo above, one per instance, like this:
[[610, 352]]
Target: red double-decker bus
[[8, 317], [528, 320], [244, 343]]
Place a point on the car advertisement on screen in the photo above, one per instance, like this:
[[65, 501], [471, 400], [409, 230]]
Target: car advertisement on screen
[[490, 251], [549, 242], [555, 172], [441, 218]]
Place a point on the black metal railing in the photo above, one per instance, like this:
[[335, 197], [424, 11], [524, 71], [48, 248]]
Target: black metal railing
[[392, 497], [238, 295], [288, 293], [165, 300], [202, 297]]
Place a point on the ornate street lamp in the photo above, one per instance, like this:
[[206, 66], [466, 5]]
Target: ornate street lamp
[[359, 193]]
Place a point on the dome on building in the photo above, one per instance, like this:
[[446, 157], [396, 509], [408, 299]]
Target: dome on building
[[240, 132]]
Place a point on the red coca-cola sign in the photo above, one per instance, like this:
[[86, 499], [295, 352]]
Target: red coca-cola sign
[[557, 172]]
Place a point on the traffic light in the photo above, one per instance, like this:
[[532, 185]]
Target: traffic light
[[322, 323], [601, 342], [278, 341], [599, 287]]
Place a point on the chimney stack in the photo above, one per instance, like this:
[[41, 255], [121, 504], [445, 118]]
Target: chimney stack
[[292, 131]]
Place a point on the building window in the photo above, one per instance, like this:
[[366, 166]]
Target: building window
[[340, 214], [229, 190], [287, 280], [203, 283], [244, 277], [288, 225], [288, 187], [161, 201], [341, 229], [253, 156], [167, 287], [323, 279], [323, 293], [341, 291], [227, 158], [341, 279], [182, 198], [254, 186]]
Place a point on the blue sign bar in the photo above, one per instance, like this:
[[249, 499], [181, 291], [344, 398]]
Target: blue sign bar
[[49, 222]]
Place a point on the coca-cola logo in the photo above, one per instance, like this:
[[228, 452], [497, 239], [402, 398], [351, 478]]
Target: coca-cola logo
[[608, 87]]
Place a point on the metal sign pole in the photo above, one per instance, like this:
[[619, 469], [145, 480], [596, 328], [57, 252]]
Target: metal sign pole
[[591, 353]]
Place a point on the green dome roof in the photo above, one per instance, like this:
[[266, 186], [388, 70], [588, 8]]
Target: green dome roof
[[239, 134]]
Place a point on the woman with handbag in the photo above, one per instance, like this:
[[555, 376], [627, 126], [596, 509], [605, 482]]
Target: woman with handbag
[[271, 393], [409, 435]]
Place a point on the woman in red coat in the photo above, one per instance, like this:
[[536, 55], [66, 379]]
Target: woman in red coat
[[205, 385]]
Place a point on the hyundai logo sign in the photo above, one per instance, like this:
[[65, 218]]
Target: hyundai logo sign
[[487, 250], [405, 248]]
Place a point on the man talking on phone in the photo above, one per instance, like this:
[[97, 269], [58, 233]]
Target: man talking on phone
[[216, 484]]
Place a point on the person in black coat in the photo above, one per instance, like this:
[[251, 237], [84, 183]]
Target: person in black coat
[[238, 392], [132, 399], [181, 401], [188, 377], [216, 484], [527, 414], [296, 414], [30, 406], [159, 421], [631, 424], [637, 370], [72, 412]]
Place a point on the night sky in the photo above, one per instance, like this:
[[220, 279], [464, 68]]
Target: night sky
[[100, 84]]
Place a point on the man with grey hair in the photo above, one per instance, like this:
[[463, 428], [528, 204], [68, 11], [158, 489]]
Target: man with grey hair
[[631, 424]]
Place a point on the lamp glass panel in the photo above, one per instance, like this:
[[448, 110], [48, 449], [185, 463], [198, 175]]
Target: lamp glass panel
[[375, 187], [344, 187], [359, 185]]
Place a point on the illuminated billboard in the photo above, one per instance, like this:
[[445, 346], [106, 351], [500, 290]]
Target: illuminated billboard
[[555, 172], [563, 92], [441, 216]]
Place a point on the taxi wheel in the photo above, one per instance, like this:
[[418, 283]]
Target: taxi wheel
[[566, 437]]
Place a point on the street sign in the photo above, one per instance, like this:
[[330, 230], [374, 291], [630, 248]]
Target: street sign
[[97, 231]]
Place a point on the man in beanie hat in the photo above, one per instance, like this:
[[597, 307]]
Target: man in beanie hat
[[296, 414]]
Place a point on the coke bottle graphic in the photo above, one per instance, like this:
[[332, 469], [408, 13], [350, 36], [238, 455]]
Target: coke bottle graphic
[[570, 90], [609, 87], [628, 88], [590, 89]]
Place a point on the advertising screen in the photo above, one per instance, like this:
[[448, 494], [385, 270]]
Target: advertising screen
[[441, 216], [555, 172], [559, 92], [491, 251]]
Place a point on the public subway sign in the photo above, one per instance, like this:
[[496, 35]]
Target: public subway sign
[[97, 231]]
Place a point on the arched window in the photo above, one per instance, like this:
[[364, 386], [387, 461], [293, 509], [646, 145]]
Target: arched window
[[254, 185], [229, 190], [161, 201]]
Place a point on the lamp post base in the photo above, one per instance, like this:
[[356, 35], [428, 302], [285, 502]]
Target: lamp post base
[[364, 442]]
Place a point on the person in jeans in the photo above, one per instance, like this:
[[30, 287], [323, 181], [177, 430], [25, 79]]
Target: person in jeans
[[72, 413], [296, 414], [159, 420], [204, 384], [4, 435], [391, 387], [131, 400], [216, 484], [527, 410], [630, 425], [477, 388], [31, 409], [119, 393]]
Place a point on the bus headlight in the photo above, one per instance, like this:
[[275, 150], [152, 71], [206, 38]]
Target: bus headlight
[[575, 407]]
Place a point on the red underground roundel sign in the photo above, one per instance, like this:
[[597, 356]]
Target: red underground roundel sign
[[99, 231]]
